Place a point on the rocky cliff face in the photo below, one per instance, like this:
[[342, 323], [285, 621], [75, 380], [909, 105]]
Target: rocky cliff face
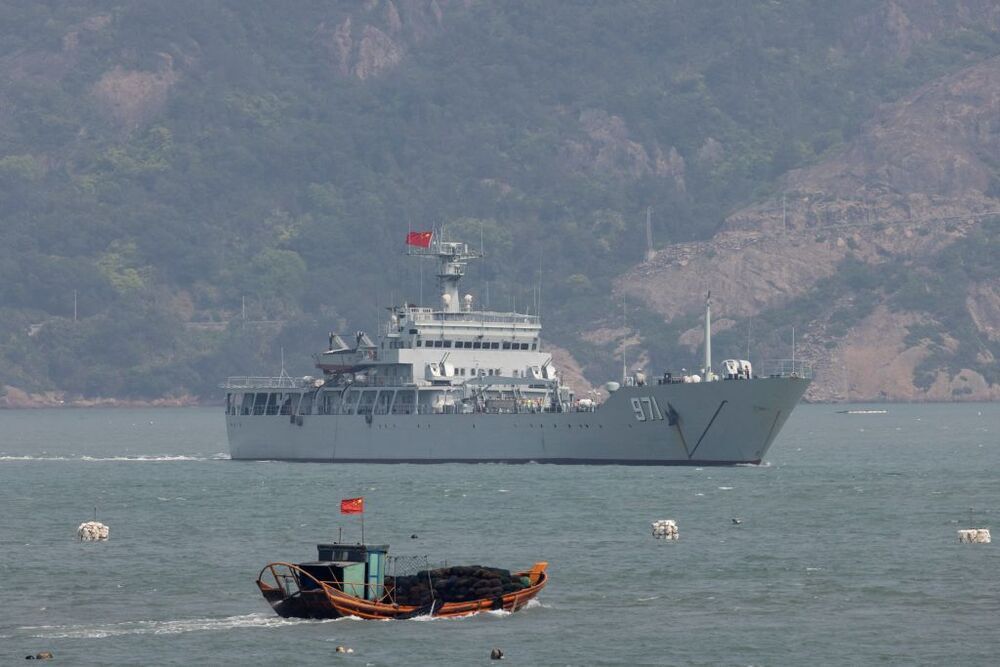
[[921, 176], [374, 38]]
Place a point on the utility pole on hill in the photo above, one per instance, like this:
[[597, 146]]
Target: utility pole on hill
[[650, 253]]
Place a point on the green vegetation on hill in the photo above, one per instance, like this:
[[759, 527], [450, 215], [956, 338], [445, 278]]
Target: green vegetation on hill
[[167, 162]]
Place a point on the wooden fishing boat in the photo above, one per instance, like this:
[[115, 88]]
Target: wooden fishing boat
[[351, 580]]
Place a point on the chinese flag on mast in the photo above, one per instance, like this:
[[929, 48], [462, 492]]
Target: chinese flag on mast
[[419, 239], [352, 506]]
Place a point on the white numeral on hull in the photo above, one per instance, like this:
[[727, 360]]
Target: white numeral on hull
[[646, 409]]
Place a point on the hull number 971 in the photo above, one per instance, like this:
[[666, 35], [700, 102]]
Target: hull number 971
[[646, 409]]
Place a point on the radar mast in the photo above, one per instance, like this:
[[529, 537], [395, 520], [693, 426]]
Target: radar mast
[[452, 257]]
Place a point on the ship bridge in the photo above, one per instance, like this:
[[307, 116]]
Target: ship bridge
[[438, 349]]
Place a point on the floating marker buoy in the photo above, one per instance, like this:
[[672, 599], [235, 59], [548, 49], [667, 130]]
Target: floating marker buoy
[[496, 654], [413, 536], [92, 531], [665, 529], [974, 536], [344, 649], [737, 521]]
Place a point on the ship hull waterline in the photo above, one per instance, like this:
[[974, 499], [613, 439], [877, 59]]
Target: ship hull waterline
[[711, 423]]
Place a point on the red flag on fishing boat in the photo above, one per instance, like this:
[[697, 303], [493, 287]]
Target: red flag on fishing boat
[[420, 239], [352, 506]]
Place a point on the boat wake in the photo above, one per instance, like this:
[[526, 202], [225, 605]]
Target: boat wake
[[153, 458], [172, 627], [496, 613]]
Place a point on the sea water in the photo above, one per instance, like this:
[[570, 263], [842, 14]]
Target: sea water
[[845, 552]]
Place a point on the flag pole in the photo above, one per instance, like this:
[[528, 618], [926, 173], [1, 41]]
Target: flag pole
[[362, 527]]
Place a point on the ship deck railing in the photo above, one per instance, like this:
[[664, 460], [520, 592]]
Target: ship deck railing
[[473, 316], [247, 382], [795, 368]]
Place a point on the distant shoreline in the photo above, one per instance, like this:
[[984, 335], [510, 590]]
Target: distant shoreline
[[18, 399]]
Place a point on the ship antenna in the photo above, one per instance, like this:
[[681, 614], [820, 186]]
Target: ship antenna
[[793, 350], [538, 299], [708, 337], [283, 374], [624, 341]]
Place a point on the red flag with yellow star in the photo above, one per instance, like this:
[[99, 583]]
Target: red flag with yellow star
[[419, 239], [352, 506]]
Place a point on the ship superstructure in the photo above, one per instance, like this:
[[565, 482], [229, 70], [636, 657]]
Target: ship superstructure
[[460, 384]]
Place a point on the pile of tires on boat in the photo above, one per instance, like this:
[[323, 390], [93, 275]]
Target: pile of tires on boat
[[460, 583]]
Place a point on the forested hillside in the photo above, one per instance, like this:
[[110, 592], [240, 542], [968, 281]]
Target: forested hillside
[[208, 183]]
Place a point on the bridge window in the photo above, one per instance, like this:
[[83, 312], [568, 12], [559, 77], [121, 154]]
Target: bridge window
[[419, 342], [447, 343], [534, 346], [476, 345], [495, 346], [524, 346], [384, 401], [367, 402], [506, 345], [405, 402]]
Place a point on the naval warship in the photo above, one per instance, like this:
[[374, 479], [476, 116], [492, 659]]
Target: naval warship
[[457, 384]]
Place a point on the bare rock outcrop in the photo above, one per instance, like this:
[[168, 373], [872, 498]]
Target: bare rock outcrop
[[134, 97], [605, 149], [374, 38], [983, 302]]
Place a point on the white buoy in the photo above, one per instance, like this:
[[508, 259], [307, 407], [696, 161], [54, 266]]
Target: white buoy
[[974, 536], [92, 531], [665, 529]]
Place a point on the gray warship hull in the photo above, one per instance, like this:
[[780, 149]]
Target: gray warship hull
[[710, 423]]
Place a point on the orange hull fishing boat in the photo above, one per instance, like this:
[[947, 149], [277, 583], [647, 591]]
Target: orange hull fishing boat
[[352, 580]]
